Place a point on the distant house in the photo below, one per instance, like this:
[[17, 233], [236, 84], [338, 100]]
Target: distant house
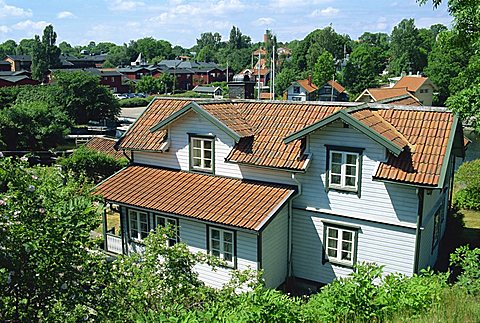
[[139, 61], [302, 90], [106, 145], [332, 91], [5, 66], [16, 80], [388, 95], [215, 92], [19, 62], [421, 87], [108, 77]]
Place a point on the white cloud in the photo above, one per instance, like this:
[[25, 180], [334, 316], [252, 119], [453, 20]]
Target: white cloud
[[65, 14], [295, 3], [124, 5], [31, 25], [327, 12], [4, 29], [9, 11], [264, 21]]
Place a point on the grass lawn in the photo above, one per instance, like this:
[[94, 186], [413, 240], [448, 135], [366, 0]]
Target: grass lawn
[[113, 220]]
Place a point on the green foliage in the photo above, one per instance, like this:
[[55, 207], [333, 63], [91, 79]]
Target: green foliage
[[366, 62], [150, 84], [285, 78], [92, 164], [33, 125], [366, 295], [45, 54], [83, 98], [405, 49], [134, 102], [469, 263], [45, 254], [467, 179], [324, 69]]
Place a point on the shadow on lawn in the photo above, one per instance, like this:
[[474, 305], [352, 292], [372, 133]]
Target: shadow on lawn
[[455, 236]]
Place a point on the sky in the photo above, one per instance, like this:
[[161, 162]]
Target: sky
[[181, 22]]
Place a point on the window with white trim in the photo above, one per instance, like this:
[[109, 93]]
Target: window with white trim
[[222, 245], [201, 154], [340, 245], [138, 224], [164, 221], [343, 170]]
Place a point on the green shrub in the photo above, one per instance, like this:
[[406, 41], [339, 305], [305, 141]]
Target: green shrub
[[469, 263], [467, 180], [92, 164], [134, 102], [367, 295]]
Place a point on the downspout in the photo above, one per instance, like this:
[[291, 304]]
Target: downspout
[[104, 229], [289, 235], [418, 231]]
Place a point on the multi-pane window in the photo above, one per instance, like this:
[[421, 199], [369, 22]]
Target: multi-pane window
[[221, 245], [296, 89], [138, 223], [344, 170], [202, 154], [340, 245], [172, 224], [437, 224]]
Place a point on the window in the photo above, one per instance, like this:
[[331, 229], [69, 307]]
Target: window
[[138, 222], [437, 224], [296, 89], [172, 223], [343, 170], [201, 152], [296, 98], [340, 245], [222, 245]]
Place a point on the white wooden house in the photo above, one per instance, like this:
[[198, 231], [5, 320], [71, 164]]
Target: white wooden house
[[301, 190]]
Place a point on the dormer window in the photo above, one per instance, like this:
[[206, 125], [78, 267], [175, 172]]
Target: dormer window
[[202, 153], [344, 165]]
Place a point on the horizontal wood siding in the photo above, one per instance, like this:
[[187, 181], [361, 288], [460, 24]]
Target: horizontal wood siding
[[379, 201], [194, 234], [393, 247], [274, 250]]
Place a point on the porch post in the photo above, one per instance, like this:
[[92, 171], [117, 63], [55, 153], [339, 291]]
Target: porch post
[[105, 246]]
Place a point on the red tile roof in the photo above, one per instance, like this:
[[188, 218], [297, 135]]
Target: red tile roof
[[411, 82], [239, 203], [307, 85], [336, 86], [423, 133], [379, 94], [105, 145]]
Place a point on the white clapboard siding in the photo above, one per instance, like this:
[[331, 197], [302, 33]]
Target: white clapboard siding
[[194, 234], [177, 156], [275, 250], [393, 247], [379, 201]]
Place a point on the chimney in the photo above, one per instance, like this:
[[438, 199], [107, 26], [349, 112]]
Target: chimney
[[310, 79], [265, 39]]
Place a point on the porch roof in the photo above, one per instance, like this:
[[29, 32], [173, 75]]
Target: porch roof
[[240, 203]]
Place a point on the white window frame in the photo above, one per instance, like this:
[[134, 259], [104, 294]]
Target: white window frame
[[170, 241], [343, 171], [135, 215], [221, 250], [202, 158], [339, 246]]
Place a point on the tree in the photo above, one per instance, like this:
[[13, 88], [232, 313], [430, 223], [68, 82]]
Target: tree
[[117, 56], [285, 77], [405, 49], [25, 47], [46, 260], [45, 54], [8, 48], [83, 98], [324, 69], [33, 125], [91, 164], [363, 67]]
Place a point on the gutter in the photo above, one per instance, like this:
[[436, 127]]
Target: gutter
[[418, 231]]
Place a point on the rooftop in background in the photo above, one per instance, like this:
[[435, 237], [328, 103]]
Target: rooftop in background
[[411, 82]]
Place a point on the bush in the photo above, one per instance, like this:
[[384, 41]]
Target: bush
[[92, 164], [134, 102], [467, 180], [469, 263]]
